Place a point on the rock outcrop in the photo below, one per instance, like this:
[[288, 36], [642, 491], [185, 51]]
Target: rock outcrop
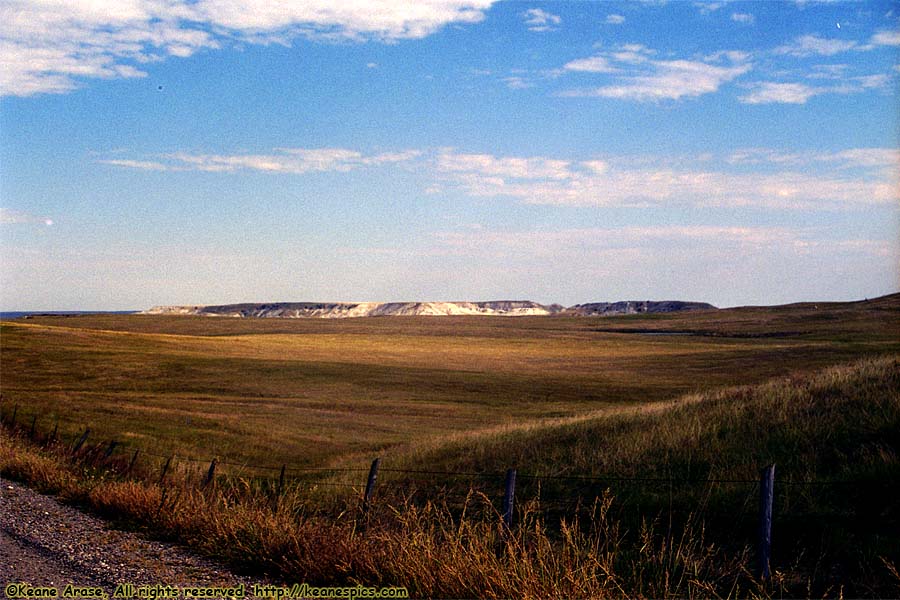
[[633, 307], [339, 310]]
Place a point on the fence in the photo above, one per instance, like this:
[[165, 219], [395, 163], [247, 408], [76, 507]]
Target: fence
[[364, 481]]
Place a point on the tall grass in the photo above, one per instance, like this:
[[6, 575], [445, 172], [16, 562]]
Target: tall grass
[[840, 423], [428, 549]]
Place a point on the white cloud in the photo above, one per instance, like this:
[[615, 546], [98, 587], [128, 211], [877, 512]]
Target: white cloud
[[492, 166], [282, 160], [365, 19], [582, 239], [802, 180], [702, 245], [866, 158], [614, 19], [540, 20], [768, 92], [810, 45], [542, 180], [886, 37], [745, 18], [146, 165], [52, 45], [597, 166], [708, 7], [515, 82], [593, 64], [831, 71], [867, 82], [755, 156], [646, 79], [633, 54], [17, 217]]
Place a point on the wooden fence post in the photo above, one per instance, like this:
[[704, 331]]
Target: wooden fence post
[[131, 464], [279, 489], [509, 498], [31, 431], [81, 440], [12, 423], [109, 450], [55, 429], [766, 497], [370, 484], [165, 469], [211, 473]]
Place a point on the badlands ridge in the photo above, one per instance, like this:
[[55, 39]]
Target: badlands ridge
[[506, 308]]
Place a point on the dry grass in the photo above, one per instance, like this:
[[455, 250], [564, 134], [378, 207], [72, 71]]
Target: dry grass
[[323, 392], [428, 549], [618, 546], [553, 397]]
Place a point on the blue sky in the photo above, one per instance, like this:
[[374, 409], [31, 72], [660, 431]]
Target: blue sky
[[216, 151]]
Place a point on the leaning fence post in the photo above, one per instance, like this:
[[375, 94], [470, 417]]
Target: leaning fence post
[[766, 497], [12, 423], [509, 498], [55, 429], [211, 473], [31, 432], [370, 484], [81, 441], [109, 451], [165, 469]]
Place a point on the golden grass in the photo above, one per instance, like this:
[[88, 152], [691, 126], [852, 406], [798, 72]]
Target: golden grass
[[549, 396], [621, 545], [321, 392]]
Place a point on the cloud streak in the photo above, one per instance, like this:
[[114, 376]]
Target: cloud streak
[[703, 242], [295, 161], [17, 217], [771, 92], [814, 45], [547, 181], [643, 78], [850, 178]]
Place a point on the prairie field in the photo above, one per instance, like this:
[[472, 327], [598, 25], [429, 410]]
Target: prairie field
[[325, 392], [664, 420]]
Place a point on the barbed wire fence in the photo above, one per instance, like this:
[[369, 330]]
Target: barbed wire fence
[[551, 494]]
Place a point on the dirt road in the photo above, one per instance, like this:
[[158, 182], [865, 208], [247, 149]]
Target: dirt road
[[45, 543]]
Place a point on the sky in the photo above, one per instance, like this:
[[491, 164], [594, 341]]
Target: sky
[[220, 151]]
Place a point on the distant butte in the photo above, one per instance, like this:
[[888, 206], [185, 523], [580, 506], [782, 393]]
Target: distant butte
[[503, 308]]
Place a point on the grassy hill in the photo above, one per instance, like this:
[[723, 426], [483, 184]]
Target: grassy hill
[[683, 529]]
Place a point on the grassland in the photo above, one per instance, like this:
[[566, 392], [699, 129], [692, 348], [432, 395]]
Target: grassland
[[329, 392], [683, 398]]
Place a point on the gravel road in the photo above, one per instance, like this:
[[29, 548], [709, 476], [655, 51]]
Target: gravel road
[[45, 543]]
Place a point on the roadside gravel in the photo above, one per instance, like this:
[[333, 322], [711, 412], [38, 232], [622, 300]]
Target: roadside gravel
[[45, 543]]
